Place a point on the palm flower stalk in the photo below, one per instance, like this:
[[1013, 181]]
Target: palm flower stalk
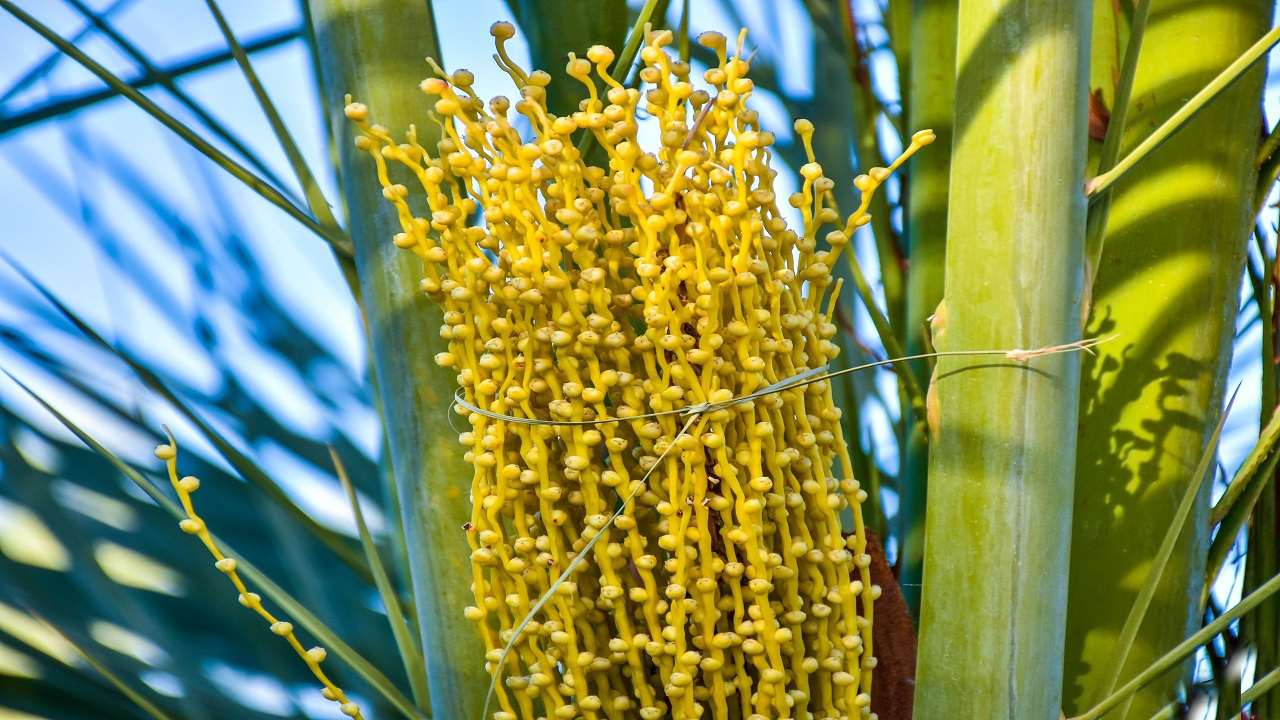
[[1002, 445], [193, 524], [656, 522]]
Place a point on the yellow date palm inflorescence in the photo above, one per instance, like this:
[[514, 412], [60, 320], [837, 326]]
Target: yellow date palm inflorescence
[[602, 318]]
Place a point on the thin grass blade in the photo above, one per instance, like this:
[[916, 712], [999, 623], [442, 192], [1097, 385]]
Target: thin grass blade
[[1185, 648], [890, 341], [241, 462], [1261, 686], [257, 184], [1095, 229], [1233, 523], [316, 201], [414, 664], [136, 697], [205, 118], [1267, 442], [1233, 72], [63, 105], [44, 67]]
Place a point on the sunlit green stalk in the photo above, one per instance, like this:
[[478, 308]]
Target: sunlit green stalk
[[1142, 603], [1001, 465], [1169, 283], [375, 49]]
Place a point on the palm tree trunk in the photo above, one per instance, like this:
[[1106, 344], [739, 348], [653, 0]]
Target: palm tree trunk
[[1169, 284], [1002, 460], [390, 39]]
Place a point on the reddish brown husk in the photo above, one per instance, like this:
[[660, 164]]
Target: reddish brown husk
[[894, 638]]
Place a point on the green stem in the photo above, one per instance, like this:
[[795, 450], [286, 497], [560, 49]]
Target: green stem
[[410, 656], [317, 204], [1233, 523], [1001, 467], [1270, 681], [1168, 281], [1111, 675], [1268, 168], [932, 94], [1263, 629], [316, 201], [1099, 211], [915, 395], [374, 49]]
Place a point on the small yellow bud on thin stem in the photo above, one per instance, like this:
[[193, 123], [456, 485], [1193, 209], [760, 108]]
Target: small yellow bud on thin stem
[[194, 525]]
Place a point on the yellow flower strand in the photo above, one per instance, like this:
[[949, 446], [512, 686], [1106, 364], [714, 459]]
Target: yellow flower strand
[[645, 566], [194, 525]]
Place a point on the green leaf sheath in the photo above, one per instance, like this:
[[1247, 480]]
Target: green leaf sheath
[[555, 28]]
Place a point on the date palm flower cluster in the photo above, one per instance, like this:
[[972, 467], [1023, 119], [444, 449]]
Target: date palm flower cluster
[[611, 326]]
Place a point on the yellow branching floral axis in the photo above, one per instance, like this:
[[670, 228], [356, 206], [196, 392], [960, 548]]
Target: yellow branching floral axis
[[600, 296], [193, 524]]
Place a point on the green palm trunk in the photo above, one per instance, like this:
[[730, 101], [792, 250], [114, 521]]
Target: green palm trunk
[[1001, 464], [433, 483], [1168, 283]]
